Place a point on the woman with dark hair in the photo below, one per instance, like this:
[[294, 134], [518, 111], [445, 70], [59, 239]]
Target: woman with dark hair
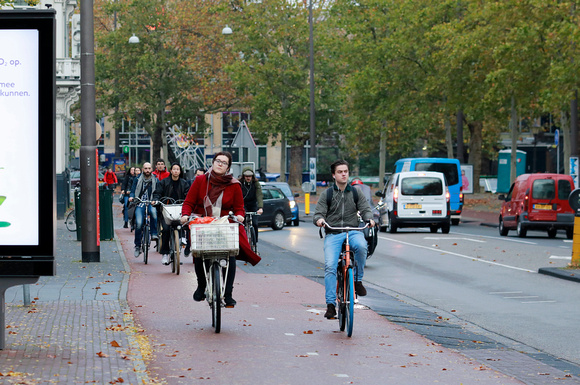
[[125, 191], [176, 188], [215, 194]]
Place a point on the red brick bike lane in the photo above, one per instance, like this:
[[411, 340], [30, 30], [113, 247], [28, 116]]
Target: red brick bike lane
[[277, 335]]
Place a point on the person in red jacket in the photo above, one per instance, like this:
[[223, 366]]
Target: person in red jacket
[[160, 170], [215, 194], [110, 179]]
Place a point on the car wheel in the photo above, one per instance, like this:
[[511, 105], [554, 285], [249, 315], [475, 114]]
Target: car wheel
[[391, 228], [455, 222], [278, 223], [552, 233], [445, 228], [296, 222], [520, 230], [502, 230], [570, 233]]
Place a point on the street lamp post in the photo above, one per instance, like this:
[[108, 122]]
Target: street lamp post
[[312, 109]]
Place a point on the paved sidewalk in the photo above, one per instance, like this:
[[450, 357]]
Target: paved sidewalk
[[79, 328]]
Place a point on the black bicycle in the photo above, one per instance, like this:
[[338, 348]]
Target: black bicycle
[[146, 234], [172, 218], [251, 230]]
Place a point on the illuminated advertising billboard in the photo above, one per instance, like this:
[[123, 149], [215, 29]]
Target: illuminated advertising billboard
[[27, 133]]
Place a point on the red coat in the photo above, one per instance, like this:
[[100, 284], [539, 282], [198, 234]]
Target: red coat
[[232, 200], [161, 175], [110, 177]]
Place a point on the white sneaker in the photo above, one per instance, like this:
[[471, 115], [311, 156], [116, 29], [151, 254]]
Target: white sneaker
[[165, 259], [183, 241]]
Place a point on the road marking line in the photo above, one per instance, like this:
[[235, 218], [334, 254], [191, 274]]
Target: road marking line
[[502, 238], [463, 239], [289, 334], [341, 375], [458, 255], [522, 296], [506, 292], [538, 301], [312, 354], [560, 257]]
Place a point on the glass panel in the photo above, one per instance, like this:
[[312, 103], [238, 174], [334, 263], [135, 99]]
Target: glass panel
[[544, 189], [421, 186], [564, 189], [447, 169]]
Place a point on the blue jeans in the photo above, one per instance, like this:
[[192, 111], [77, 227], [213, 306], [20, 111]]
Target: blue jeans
[[332, 249], [139, 221], [126, 211]]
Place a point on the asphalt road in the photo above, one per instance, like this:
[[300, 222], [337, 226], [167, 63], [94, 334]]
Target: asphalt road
[[471, 277]]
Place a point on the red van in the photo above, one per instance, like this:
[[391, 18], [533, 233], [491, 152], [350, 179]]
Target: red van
[[538, 202]]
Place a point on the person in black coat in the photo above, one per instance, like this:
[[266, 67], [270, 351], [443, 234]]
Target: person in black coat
[[125, 191], [170, 190]]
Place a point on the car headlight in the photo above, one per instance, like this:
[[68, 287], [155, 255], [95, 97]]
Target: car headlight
[[292, 204]]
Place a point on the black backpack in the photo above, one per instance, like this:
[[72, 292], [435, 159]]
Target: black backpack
[[370, 233]]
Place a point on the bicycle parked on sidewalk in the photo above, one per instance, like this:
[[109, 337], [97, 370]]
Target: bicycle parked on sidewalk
[[71, 217], [251, 230], [172, 218], [345, 274], [215, 243], [146, 234]]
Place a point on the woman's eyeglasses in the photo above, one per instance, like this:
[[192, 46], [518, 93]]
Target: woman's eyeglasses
[[221, 162]]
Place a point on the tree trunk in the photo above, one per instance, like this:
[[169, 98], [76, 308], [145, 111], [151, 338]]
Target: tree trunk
[[459, 127], [514, 155], [475, 144], [157, 140], [448, 138], [565, 127], [295, 179]]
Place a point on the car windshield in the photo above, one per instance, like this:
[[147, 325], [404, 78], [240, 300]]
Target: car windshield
[[285, 189], [544, 189], [421, 186], [447, 169]]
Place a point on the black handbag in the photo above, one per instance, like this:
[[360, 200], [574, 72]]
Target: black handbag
[[372, 238]]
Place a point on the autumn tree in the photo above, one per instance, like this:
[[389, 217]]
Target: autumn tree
[[172, 76]]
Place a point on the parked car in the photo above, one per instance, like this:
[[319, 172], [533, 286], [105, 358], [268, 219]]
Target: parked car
[[75, 178], [293, 204], [276, 208], [415, 199], [538, 202]]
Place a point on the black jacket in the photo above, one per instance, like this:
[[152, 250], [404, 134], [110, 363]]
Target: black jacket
[[165, 189]]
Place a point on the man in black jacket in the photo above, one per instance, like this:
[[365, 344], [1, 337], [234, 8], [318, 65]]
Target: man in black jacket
[[176, 188], [253, 199]]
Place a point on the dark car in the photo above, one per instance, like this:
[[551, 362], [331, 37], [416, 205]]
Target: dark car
[[276, 208], [293, 204]]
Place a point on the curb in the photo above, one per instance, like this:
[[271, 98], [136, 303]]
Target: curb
[[567, 274]]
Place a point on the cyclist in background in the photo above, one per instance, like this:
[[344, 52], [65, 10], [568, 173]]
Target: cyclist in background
[[342, 212], [125, 192], [143, 188], [176, 188], [160, 170], [110, 179], [253, 199]]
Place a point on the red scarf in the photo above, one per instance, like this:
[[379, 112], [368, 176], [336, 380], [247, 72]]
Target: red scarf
[[218, 184]]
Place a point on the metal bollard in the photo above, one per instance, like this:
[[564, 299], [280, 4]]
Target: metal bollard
[[307, 203], [26, 294]]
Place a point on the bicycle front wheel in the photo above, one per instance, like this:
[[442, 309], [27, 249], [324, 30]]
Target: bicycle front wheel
[[349, 301], [216, 300], [340, 297], [145, 243], [71, 221], [252, 239], [176, 247]]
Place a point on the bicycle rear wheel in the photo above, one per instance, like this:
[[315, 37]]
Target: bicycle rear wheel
[[341, 311], [216, 300], [176, 247], [349, 301], [71, 221], [252, 239], [145, 243]]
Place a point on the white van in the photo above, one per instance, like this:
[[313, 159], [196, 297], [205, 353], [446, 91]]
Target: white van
[[415, 199]]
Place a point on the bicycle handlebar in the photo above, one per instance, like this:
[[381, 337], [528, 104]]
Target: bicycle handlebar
[[345, 228], [145, 201]]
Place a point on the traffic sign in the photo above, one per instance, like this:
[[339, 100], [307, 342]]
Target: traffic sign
[[556, 137]]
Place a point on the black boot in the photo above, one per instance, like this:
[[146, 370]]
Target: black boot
[[229, 300], [126, 225], [199, 294]]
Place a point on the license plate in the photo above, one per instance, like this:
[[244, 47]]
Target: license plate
[[543, 207], [413, 206]]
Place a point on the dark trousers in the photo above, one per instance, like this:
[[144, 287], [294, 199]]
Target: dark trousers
[[199, 271]]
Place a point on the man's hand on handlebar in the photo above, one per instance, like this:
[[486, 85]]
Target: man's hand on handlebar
[[320, 222], [372, 223], [259, 212], [184, 219], [240, 218]]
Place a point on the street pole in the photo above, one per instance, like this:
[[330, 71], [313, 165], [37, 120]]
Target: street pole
[[88, 151], [312, 109]]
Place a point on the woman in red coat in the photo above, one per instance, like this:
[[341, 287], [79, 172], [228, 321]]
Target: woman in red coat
[[215, 194]]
